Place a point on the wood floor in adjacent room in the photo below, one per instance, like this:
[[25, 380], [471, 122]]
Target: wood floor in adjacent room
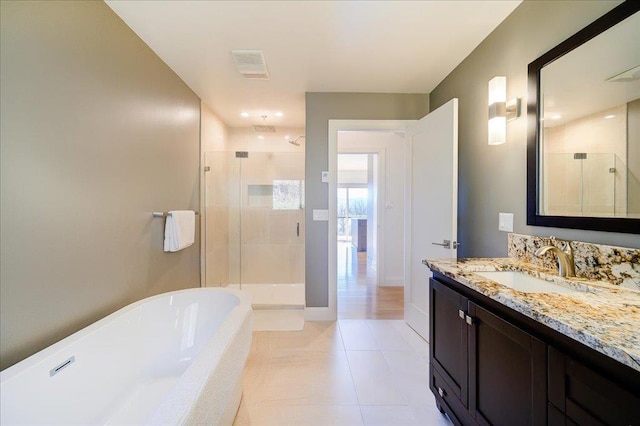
[[358, 295]]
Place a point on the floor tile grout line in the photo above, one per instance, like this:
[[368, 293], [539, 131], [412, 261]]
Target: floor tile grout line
[[353, 383], [373, 334]]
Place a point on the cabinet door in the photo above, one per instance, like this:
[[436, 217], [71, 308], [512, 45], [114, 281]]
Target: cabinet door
[[588, 397], [449, 337], [507, 372]]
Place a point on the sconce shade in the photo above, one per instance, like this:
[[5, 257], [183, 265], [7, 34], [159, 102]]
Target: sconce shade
[[497, 89], [497, 130], [497, 110]]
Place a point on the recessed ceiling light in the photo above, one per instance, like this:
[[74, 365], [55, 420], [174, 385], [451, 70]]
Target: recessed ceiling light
[[286, 137], [279, 114], [556, 117], [244, 114], [607, 117], [260, 137]]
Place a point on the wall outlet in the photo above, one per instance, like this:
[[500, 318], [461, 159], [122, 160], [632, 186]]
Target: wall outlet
[[505, 222], [320, 214]]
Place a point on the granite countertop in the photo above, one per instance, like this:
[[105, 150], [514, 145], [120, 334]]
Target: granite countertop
[[602, 316]]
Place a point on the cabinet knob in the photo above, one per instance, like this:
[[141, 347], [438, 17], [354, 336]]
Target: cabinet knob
[[442, 392], [469, 320], [461, 314]]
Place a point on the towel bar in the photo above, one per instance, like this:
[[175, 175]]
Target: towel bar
[[163, 214]]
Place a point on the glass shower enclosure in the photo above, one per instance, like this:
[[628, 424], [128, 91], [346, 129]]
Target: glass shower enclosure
[[254, 225], [584, 184]]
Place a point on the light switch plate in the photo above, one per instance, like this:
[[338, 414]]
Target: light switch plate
[[325, 177], [505, 222], [320, 214]]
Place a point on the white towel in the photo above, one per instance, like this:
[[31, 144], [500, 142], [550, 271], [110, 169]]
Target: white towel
[[179, 230]]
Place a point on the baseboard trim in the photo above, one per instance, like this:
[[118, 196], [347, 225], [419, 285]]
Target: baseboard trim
[[392, 282], [319, 314], [266, 307]]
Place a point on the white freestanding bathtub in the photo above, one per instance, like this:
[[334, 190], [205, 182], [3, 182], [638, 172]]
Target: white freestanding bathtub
[[175, 358]]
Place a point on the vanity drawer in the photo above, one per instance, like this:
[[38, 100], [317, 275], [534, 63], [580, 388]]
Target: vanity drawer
[[588, 397], [447, 400]]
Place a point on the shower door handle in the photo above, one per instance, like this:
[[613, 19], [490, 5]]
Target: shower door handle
[[298, 229]]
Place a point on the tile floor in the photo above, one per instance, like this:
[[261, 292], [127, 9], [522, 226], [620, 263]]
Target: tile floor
[[350, 372]]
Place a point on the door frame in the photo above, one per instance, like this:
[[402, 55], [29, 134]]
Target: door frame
[[336, 126]]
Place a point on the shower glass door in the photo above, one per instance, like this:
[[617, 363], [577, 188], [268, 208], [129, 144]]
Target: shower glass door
[[254, 223], [272, 218], [222, 220], [584, 184]]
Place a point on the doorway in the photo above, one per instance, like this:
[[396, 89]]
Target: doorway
[[369, 224], [430, 145]]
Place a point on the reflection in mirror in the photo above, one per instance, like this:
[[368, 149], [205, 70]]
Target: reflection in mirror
[[583, 131], [590, 127]]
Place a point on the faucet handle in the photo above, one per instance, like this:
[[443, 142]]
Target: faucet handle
[[566, 244]]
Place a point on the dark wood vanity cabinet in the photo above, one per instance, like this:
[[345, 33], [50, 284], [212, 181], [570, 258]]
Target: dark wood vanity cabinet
[[507, 372], [490, 365], [449, 340], [580, 395], [483, 369]]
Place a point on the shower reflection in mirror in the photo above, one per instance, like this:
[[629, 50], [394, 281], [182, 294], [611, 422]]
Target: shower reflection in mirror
[[590, 127]]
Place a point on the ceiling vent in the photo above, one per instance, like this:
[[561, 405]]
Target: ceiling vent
[[264, 129], [630, 75], [250, 64]]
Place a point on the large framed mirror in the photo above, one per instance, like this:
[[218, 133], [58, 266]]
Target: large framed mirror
[[583, 137]]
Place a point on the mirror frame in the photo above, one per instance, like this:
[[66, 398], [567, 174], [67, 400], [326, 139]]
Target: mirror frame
[[611, 224]]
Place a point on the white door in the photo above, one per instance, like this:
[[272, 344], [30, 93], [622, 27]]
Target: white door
[[432, 206]]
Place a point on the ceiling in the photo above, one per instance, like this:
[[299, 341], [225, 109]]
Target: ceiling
[[309, 46]]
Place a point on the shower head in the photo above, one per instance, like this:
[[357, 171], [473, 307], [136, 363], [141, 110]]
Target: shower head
[[295, 141]]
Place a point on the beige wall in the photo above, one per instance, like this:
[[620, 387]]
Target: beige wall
[[96, 133], [492, 179], [633, 173], [247, 139], [214, 136], [320, 108]]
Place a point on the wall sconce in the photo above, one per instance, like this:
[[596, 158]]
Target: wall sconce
[[500, 111]]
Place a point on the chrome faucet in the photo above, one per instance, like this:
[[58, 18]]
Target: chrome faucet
[[566, 264]]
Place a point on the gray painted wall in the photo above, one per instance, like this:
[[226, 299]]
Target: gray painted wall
[[320, 108], [96, 133], [492, 179]]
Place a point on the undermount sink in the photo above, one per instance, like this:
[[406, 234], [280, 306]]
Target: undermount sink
[[525, 283]]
